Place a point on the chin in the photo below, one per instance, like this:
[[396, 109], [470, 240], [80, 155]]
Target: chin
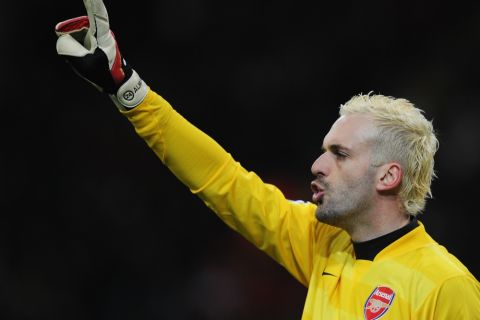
[[321, 215], [329, 217]]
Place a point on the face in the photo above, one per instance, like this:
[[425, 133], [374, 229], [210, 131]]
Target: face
[[344, 186]]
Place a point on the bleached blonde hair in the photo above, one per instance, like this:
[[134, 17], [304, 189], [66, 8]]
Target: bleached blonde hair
[[404, 135]]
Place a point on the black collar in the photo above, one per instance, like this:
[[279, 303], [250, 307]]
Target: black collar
[[369, 249]]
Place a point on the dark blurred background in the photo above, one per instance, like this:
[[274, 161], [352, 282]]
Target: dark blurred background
[[94, 227]]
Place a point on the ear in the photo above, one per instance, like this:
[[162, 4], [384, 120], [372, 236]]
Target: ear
[[390, 176]]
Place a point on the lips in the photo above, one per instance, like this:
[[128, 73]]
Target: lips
[[318, 192]]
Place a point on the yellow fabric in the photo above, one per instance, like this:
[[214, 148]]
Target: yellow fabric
[[427, 282]]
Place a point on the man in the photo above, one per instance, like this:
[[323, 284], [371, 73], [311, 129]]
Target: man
[[357, 246]]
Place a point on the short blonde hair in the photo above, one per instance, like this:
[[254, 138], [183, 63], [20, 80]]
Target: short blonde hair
[[404, 135]]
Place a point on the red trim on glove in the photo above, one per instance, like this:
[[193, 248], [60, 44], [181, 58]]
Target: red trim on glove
[[117, 72], [72, 25]]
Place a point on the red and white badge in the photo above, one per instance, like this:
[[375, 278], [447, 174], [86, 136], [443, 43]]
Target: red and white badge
[[378, 303]]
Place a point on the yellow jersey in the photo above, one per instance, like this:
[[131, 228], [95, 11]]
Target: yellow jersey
[[412, 277]]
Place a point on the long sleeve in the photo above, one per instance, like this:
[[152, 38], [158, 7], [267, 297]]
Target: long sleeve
[[191, 155], [282, 228]]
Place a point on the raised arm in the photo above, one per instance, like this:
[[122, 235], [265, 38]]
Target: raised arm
[[284, 229]]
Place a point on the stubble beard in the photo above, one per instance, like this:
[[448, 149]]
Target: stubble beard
[[346, 204]]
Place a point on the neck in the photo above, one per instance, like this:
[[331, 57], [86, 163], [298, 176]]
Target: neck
[[384, 219]]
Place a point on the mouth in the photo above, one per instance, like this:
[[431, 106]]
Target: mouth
[[318, 192]]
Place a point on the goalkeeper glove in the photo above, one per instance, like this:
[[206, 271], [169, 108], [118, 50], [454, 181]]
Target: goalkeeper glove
[[89, 46]]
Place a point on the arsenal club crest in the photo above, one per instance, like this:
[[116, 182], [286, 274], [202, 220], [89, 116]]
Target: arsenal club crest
[[378, 303]]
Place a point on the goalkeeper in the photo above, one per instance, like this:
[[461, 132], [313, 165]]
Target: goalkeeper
[[357, 245]]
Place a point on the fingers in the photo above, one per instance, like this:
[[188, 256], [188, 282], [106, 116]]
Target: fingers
[[98, 19], [72, 25]]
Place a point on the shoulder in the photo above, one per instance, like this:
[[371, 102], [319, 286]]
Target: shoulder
[[437, 264], [420, 253], [440, 284]]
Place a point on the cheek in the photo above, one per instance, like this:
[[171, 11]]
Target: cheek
[[358, 168], [354, 174]]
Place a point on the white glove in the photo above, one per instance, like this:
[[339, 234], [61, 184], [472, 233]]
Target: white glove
[[89, 46]]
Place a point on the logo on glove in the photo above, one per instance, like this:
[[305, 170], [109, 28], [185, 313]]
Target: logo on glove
[[129, 95]]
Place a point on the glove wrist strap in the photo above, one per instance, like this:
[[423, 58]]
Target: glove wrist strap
[[131, 93]]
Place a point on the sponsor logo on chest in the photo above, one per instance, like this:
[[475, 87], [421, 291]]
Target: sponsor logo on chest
[[378, 303]]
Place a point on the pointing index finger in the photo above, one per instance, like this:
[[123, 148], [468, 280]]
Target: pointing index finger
[[98, 19]]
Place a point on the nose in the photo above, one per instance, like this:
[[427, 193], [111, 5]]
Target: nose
[[319, 166]]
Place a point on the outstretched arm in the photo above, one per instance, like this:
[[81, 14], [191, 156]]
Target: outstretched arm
[[284, 229]]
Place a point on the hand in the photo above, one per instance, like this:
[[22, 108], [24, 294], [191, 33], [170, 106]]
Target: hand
[[89, 46]]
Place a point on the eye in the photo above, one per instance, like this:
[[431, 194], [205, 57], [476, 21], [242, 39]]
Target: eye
[[338, 152], [340, 155]]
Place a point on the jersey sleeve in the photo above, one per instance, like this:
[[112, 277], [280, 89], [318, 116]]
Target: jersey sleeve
[[283, 229]]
